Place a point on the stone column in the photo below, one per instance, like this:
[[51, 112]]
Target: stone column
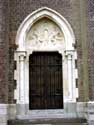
[[70, 74], [21, 105]]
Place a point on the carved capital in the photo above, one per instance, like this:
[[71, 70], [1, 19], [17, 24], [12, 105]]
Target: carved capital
[[21, 58], [21, 55], [69, 54]]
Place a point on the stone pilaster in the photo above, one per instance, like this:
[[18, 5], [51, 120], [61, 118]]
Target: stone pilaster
[[21, 102]]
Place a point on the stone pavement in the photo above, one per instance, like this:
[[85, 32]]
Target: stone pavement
[[49, 122]]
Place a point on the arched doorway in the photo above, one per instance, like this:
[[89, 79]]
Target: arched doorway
[[45, 32]]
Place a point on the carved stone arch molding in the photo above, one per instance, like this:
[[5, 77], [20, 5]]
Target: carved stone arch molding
[[59, 38]]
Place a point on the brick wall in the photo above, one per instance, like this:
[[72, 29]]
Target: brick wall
[[19, 10], [4, 41], [90, 43]]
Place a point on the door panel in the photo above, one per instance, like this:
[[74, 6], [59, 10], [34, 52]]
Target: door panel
[[45, 80]]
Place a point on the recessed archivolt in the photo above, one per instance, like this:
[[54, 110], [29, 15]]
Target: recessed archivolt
[[44, 32]]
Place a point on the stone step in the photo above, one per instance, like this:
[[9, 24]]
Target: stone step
[[71, 121]]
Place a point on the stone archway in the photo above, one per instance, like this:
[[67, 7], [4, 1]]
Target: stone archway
[[45, 30]]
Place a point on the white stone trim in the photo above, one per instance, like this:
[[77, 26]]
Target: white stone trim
[[70, 73], [75, 55], [15, 74], [22, 77], [16, 94], [76, 73], [76, 93]]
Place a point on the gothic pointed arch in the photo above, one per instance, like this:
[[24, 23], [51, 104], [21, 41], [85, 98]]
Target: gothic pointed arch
[[34, 35], [52, 15]]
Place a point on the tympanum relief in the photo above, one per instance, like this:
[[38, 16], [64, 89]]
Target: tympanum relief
[[44, 34]]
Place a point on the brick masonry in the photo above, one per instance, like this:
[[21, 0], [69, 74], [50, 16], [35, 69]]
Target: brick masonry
[[90, 43], [4, 42], [12, 15]]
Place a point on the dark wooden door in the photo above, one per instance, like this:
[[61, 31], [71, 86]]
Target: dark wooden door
[[45, 80]]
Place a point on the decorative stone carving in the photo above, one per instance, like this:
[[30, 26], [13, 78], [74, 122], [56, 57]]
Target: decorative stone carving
[[44, 33]]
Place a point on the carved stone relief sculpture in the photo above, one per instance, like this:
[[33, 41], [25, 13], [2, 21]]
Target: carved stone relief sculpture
[[44, 33]]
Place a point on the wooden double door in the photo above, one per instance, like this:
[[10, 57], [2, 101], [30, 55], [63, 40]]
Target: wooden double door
[[45, 80]]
